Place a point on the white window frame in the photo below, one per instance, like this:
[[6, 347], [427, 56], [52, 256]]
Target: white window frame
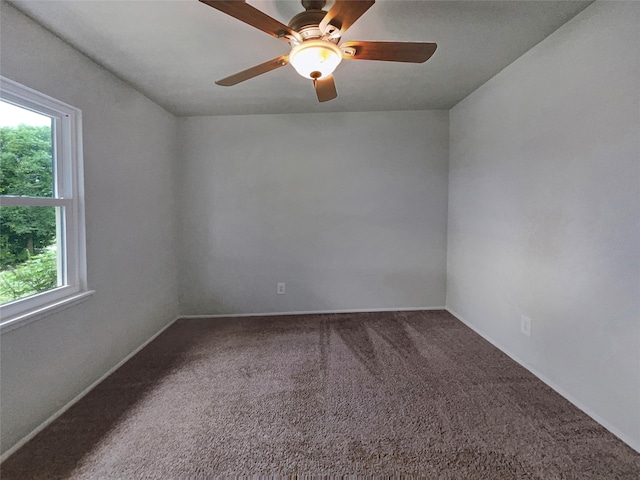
[[68, 194]]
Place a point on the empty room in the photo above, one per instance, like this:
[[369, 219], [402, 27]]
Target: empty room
[[319, 238]]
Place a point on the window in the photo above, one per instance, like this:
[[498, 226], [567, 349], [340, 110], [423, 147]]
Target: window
[[42, 237]]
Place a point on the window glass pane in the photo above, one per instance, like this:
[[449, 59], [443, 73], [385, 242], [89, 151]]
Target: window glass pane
[[30, 260], [26, 152]]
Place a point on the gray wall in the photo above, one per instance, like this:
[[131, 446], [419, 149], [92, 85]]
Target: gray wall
[[348, 209], [129, 152], [544, 211]]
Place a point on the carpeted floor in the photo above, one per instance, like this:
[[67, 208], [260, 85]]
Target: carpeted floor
[[414, 393]]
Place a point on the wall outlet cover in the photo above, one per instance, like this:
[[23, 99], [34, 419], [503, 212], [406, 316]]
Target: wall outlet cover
[[525, 325], [280, 289]]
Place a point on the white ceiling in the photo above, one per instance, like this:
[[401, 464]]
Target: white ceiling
[[173, 51]]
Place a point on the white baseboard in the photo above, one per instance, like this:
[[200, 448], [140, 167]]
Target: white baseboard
[[313, 312], [73, 401], [625, 438]]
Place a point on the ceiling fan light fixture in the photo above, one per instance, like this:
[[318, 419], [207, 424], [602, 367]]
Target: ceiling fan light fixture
[[315, 59]]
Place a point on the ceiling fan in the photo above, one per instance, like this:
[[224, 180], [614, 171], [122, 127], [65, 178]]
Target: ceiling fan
[[314, 36]]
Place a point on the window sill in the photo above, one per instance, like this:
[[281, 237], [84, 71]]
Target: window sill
[[57, 306]]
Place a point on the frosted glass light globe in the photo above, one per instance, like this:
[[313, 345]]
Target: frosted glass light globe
[[315, 58]]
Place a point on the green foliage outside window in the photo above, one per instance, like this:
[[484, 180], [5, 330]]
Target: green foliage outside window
[[38, 274], [28, 263], [25, 169]]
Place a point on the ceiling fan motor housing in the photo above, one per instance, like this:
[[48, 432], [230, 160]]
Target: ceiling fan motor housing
[[307, 25], [313, 4]]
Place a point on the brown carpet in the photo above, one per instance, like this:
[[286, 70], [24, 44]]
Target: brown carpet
[[413, 393]]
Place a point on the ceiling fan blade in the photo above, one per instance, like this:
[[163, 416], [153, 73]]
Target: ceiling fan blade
[[248, 14], [325, 89], [412, 52], [254, 71], [344, 13]]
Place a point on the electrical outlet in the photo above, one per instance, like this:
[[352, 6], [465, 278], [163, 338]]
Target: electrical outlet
[[280, 289], [525, 325]]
